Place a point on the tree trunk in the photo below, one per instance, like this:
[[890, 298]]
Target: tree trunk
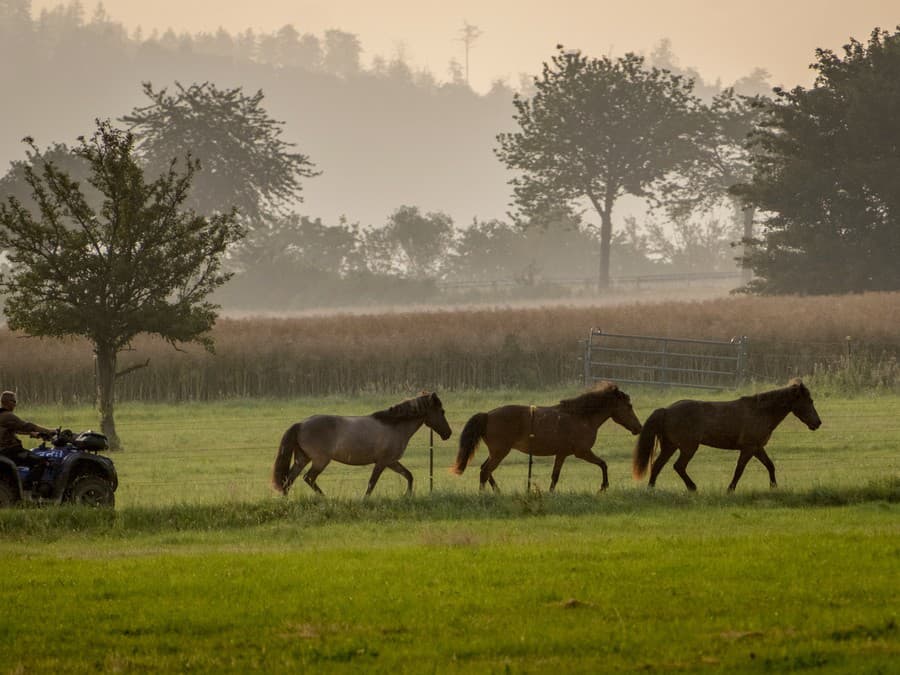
[[106, 393], [748, 212]]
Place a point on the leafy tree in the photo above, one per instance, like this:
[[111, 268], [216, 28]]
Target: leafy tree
[[245, 162], [15, 183], [488, 251], [693, 247], [138, 263], [300, 241], [597, 129], [563, 248], [826, 166], [720, 162], [15, 28], [288, 261], [342, 53], [411, 244], [635, 253], [287, 47]]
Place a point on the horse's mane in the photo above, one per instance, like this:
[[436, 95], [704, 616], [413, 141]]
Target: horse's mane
[[407, 409], [781, 395], [591, 401]]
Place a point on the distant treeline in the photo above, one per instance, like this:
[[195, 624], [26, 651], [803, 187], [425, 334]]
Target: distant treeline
[[298, 263], [382, 132], [407, 352]]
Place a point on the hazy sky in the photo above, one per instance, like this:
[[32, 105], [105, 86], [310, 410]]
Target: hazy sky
[[721, 38]]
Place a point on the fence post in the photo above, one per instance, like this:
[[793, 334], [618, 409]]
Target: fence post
[[665, 363], [586, 377], [741, 360], [530, 461]]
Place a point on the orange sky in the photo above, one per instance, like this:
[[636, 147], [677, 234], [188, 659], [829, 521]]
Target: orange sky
[[721, 38]]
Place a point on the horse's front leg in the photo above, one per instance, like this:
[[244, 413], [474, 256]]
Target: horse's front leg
[[746, 454], [769, 464], [557, 467], [376, 474], [403, 471]]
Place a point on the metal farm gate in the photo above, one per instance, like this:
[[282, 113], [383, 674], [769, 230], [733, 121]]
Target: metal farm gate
[[677, 362]]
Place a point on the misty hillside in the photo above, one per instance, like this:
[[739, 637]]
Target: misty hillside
[[383, 134]]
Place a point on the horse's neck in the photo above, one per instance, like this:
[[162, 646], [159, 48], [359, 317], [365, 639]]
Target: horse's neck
[[775, 413], [599, 417], [406, 428]]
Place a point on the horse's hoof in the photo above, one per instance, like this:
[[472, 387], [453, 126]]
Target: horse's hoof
[[603, 487]]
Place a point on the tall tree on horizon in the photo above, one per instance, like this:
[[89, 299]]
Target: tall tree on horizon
[[826, 170], [245, 162], [597, 129], [721, 161]]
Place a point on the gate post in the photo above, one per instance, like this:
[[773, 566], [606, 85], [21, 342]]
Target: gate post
[[741, 360], [586, 370]]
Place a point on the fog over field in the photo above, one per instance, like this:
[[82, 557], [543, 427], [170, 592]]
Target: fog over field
[[408, 119]]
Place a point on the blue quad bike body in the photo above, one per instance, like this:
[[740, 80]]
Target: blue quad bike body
[[71, 471]]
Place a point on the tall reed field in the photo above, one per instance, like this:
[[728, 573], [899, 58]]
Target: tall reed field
[[848, 342]]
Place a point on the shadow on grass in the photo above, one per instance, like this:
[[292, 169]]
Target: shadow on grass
[[50, 523]]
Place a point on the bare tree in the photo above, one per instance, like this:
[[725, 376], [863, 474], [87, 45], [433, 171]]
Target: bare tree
[[468, 35]]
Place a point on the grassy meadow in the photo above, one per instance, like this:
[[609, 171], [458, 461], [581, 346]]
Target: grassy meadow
[[202, 567]]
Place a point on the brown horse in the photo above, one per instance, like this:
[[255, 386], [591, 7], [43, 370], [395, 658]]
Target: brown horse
[[745, 424], [380, 438], [569, 428]]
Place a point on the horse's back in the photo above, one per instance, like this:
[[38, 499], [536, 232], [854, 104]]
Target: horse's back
[[327, 432], [509, 413], [715, 423], [545, 430], [507, 425], [318, 425]]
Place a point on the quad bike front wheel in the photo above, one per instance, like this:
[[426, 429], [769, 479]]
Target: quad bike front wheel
[[91, 490]]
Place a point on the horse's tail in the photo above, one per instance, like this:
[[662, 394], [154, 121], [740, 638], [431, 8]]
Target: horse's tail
[[647, 442], [290, 444], [469, 439]]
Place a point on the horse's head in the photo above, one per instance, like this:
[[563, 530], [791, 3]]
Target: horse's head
[[802, 405], [623, 413], [435, 418]]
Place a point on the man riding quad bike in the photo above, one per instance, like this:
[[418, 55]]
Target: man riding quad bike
[[67, 470]]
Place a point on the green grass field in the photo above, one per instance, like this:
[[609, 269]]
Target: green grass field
[[201, 567]]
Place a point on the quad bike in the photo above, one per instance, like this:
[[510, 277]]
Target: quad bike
[[71, 471]]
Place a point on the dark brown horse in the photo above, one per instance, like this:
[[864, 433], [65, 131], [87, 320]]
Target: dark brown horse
[[569, 428], [745, 424], [380, 439]]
